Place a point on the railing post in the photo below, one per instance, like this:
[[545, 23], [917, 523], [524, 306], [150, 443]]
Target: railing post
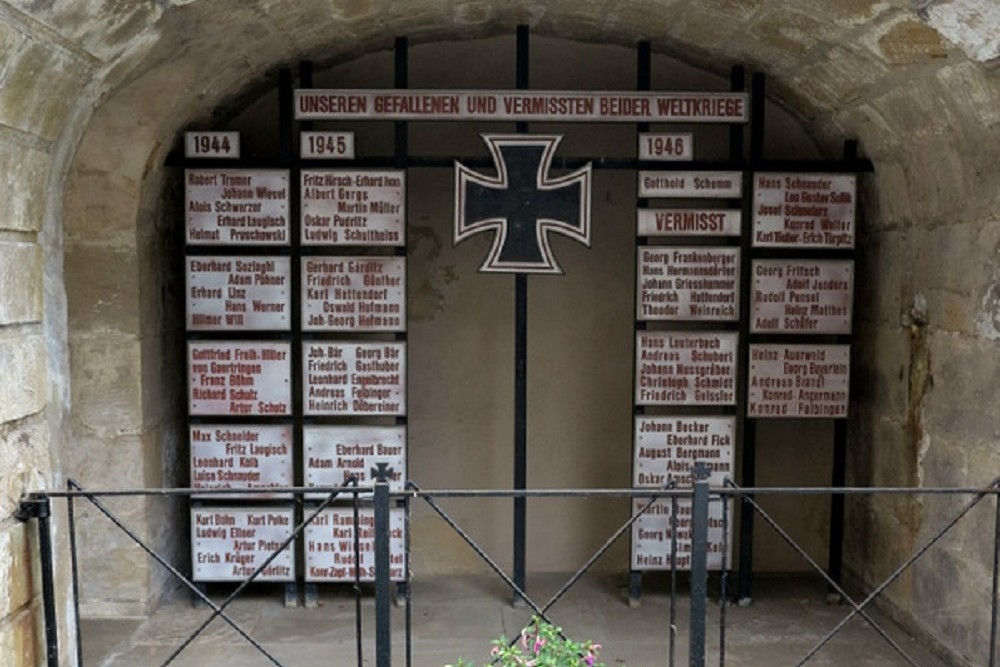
[[383, 598], [40, 508], [996, 578], [699, 564]]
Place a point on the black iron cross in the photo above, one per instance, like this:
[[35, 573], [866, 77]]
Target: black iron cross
[[521, 204]]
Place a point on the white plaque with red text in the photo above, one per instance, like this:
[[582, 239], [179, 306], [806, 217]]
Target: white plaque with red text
[[230, 543], [354, 293], [241, 457], [354, 379], [335, 453], [805, 381], [238, 293], [330, 548], [802, 296], [653, 532], [352, 207], [688, 222], [804, 210], [685, 368], [236, 206], [688, 283], [239, 378], [691, 184], [665, 449]]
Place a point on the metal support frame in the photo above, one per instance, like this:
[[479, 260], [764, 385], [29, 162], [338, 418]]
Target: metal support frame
[[383, 596], [40, 509], [699, 564]]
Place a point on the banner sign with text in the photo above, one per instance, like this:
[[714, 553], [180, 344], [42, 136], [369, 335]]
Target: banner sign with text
[[685, 368], [230, 543], [329, 545], [810, 381], [804, 210]]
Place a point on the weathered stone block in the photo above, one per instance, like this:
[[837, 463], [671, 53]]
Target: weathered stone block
[[19, 635], [22, 366], [99, 299], [15, 568], [41, 86], [106, 383], [25, 460], [965, 381], [102, 28], [20, 283], [909, 41], [24, 178]]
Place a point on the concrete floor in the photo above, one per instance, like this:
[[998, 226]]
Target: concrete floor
[[459, 616]]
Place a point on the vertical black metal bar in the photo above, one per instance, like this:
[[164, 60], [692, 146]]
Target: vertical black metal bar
[[401, 80], [724, 581], [837, 500], [699, 565], [643, 82], [673, 578], [74, 572], [521, 370], [286, 159], [358, 625], [994, 638], [383, 595], [44, 516], [409, 592], [748, 469]]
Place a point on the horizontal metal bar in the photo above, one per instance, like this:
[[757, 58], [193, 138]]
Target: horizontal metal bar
[[515, 493]]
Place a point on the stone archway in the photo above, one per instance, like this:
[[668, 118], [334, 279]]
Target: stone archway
[[924, 111]]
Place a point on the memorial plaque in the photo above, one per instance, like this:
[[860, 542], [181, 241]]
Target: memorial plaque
[[352, 207], [688, 283], [685, 368], [236, 206], [652, 534], [239, 378], [691, 184], [352, 378], [241, 457], [354, 293], [334, 453], [329, 545], [238, 293], [666, 147], [805, 381], [522, 105], [230, 543], [802, 296], [688, 222], [665, 449], [326, 145], [804, 210], [216, 145]]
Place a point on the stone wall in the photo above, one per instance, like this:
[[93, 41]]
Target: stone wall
[[86, 385]]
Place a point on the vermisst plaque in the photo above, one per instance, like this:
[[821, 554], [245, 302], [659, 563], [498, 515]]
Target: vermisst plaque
[[236, 206], [238, 293], [250, 378], [802, 296], [352, 207], [688, 283], [248, 456], [688, 222], [805, 381], [354, 378], [685, 368], [354, 293], [333, 454], [804, 210], [329, 545], [230, 543]]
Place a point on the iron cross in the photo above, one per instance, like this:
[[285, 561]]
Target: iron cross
[[521, 204]]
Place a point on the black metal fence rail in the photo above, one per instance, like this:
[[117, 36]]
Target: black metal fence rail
[[38, 507]]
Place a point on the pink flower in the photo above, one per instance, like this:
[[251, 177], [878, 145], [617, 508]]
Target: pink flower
[[539, 643]]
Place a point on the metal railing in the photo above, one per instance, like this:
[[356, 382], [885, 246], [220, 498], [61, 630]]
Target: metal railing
[[38, 507]]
